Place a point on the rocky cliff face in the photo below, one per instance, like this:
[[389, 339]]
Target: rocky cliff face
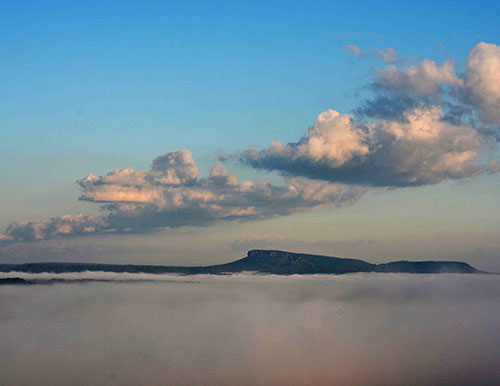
[[282, 262]]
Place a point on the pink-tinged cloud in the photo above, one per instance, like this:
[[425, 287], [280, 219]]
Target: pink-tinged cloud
[[424, 149], [422, 125], [354, 49], [387, 55], [171, 194], [425, 79], [483, 80]]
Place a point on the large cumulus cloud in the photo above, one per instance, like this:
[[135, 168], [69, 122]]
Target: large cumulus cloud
[[424, 149], [483, 80], [171, 194], [423, 124]]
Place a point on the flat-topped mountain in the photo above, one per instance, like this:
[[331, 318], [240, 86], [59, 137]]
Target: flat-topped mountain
[[261, 261]]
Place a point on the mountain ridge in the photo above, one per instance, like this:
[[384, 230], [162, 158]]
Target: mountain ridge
[[262, 261]]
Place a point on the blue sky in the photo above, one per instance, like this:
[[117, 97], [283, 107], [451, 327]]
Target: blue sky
[[90, 87]]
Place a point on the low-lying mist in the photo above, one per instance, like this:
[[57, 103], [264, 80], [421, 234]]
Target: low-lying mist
[[359, 329]]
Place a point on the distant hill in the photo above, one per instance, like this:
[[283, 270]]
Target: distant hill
[[261, 261]]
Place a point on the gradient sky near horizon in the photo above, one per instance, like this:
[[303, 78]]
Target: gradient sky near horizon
[[92, 87]]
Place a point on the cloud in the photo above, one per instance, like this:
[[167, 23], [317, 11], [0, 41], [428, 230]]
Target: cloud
[[175, 168], [354, 49], [387, 106], [396, 91], [493, 166], [422, 124], [69, 224], [387, 55], [478, 87], [422, 150], [330, 128], [424, 79], [171, 194], [483, 80], [5, 237]]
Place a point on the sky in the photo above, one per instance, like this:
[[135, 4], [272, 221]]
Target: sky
[[190, 132]]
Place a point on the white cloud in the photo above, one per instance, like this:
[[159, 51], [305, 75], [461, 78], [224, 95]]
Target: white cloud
[[354, 49], [170, 194], [480, 85], [77, 224], [421, 149], [5, 237], [176, 167], [421, 127], [388, 55], [423, 79], [483, 79], [333, 139], [494, 166]]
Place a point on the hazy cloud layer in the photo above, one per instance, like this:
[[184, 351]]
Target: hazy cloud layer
[[253, 330], [422, 126], [171, 194]]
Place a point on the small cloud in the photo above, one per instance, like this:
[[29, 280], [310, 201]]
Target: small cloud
[[493, 166], [423, 79], [4, 237], [354, 49], [389, 55]]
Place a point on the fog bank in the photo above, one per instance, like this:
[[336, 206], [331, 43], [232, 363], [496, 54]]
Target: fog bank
[[375, 329]]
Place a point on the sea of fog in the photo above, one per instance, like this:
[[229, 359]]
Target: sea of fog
[[244, 329]]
